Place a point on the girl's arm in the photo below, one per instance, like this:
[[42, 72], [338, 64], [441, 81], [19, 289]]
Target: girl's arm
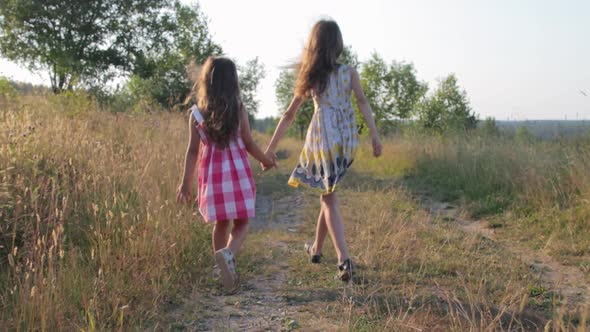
[[183, 193], [365, 109], [251, 146], [284, 124]]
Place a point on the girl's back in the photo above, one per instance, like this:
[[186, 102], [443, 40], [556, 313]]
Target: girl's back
[[338, 90], [225, 183]]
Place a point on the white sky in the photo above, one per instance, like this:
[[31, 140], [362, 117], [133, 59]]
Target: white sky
[[524, 59]]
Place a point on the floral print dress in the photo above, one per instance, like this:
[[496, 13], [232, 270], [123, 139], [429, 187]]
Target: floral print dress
[[332, 136]]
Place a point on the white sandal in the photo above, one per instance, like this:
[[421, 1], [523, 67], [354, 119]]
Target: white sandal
[[227, 266]]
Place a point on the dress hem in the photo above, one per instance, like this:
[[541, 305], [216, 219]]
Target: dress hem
[[296, 183], [230, 218]]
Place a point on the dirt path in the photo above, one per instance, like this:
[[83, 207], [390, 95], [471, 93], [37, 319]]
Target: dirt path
[[267, 300], [567, 281], [258, 304]]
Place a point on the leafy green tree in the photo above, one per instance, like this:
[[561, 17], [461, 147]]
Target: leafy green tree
[[7, 88], [392, 90], [372, 76], [404, 88], [78, 41], [7, 92], [160, 71], [284, 90], [250, 76], [447, 109]]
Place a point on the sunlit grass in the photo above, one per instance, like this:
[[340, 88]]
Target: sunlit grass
[[91, 236], [92, 239], [536, 192]]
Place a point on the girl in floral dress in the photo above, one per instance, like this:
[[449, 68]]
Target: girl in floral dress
[[219, 131], [332, 137]]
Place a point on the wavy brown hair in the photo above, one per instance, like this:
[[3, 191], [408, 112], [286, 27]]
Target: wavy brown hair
[[217, 92], [319, 58]]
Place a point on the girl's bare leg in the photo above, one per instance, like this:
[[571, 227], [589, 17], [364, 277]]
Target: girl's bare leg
[[321, 230], [220, 233], [335, 225], [238, 235]]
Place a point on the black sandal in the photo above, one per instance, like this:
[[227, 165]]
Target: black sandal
[[345, 270], [315, 259]]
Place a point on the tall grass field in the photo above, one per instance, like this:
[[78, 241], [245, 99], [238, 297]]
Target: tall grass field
[[91, 237]]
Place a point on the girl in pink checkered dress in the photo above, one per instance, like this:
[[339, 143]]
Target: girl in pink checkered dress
[[219, 136]]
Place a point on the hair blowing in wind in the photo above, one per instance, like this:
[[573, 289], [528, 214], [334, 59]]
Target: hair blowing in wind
[[319, 58]]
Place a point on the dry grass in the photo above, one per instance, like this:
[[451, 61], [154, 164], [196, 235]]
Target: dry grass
[[532, 192], [418, 274], [91, 239], [90, 236], [422, 274]]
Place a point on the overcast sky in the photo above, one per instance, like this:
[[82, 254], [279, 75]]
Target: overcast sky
[[525, 59]]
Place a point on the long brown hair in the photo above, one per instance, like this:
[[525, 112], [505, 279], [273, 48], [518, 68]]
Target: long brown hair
[[218, 96], [319, 58]]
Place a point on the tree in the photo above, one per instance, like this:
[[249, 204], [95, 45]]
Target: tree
[[404, 88], [7, 92], [524, 135], [7, 89], [372, 76], [250, 76], [349, 57], [78, 41], [447, 109], [392, 90], [489, 127], [284, 90], [160, 71]]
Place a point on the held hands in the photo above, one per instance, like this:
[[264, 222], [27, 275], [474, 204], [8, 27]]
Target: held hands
[[270, 162], [183, 194], [377, 147]]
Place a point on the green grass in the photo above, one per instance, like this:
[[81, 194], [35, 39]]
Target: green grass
[[534, 192]]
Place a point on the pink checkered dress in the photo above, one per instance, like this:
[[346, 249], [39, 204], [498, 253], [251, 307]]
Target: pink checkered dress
[[226, 188]]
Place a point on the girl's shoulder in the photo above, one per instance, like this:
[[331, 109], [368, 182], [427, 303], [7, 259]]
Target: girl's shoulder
[[345, 70]]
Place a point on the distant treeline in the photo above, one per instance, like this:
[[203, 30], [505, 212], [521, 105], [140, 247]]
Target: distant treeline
[[522, 130], [10, 87], [546, 129]]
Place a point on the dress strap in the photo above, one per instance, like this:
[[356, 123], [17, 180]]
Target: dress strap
[[197, 114], [199, 118]]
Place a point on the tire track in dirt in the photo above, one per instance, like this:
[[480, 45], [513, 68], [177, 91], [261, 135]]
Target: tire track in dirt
[[568, 281]]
